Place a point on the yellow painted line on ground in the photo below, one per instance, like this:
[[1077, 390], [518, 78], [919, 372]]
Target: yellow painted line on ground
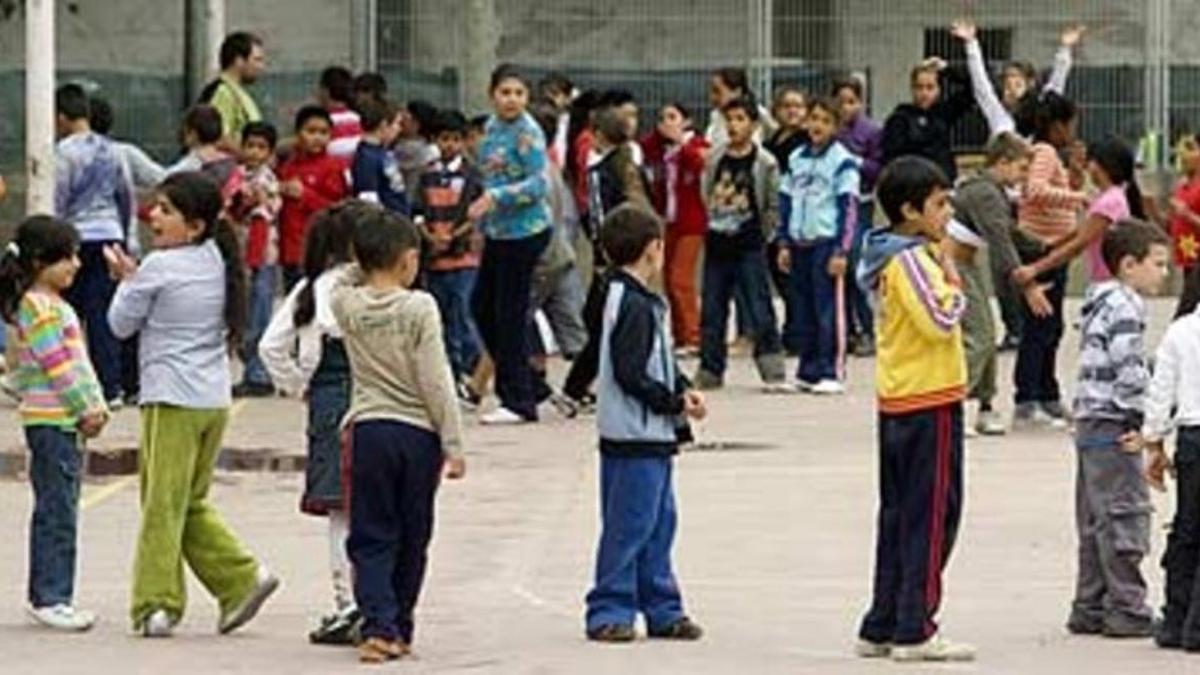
[[106, 492]]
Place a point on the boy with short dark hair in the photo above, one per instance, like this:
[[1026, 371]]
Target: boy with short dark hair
[[643, 404], [1112, 503], [375, 171], [921, 379], [309, 180]]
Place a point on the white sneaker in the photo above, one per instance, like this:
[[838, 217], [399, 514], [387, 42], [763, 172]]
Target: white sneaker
[[158, 625], [502, 417], [804, 387], [63, 617], [779, 388], [990, 424], [872, 650], [829, 388], [266, 584], [970, 432], [934, 649], [117, 403], [8, 388]]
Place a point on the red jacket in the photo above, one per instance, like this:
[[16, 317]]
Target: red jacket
[[324, 179], [1185, 235], [675, 175]]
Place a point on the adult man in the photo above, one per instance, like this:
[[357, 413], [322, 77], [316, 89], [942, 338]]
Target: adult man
[[243, 60]]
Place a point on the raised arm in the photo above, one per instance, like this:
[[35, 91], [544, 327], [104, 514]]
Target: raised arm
[[1064, 58], [998, 118]]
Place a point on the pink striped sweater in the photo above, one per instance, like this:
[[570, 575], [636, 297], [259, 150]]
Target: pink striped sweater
[[54, 375]]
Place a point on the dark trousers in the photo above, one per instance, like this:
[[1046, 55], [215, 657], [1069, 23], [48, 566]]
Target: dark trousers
[[781, 281], [452, 289], [633, 561], [1181, 561], [819, 313], [586, 365], [90, 295], [725, 276], [860, 320], [1037, 355], [1011, 303], [292, 274], [55, 464], [501, 304], [394, 471], [920, 501]]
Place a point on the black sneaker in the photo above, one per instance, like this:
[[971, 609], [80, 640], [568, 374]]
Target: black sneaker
[[612, 632], [683, 629], [339, 629], [1168, 634], [584, 405], [1125, 626], [253, 390], [1080, 624]]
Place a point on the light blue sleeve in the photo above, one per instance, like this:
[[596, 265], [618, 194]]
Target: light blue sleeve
[[135, 297]]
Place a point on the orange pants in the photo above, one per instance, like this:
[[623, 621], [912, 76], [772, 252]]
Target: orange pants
[[682, 256]]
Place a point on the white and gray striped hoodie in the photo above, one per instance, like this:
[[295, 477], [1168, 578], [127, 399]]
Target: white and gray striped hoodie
[[1113, 374]]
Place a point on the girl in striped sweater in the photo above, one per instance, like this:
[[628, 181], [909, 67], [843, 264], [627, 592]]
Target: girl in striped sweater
[[61, 402]]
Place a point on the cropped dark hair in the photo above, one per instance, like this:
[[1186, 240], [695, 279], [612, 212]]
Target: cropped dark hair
[[205, 122], [1038, 113], [339, 83], [40, 241], [1130, 238], [555, 82], [627, 231], [71, 101], [374, 113], [381, 237], [1116, 158], [828, 105], [854, 84], [425, 114], [908, 180], [506, 71], [100, 115], [309, 112], [236, 46], [370, 84], [450, 121], [744, 103], [263, 130], [616, 97], [734, 78]]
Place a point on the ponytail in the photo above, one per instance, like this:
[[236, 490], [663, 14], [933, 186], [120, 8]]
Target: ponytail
[[40, 241], [328, 243], [236, 288], [1133, 195], [1116, 159]]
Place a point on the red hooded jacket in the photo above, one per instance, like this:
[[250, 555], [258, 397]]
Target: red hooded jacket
[[324, 179], [675, 175]]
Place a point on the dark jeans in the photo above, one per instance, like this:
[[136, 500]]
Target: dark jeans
[[55, 464], [745, 273], [1181, 561], [452, 290], [262, 304], [394, 474], [1012, 305], [292, 274], [860, 320], [1037, 355], [633, 561], [819, 315], [586, 365], [91, 295], [502, 304], [920, 503]]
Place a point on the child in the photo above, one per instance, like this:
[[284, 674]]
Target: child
[[740, 188], [446, 190], [922, 128], [404, 425], [1112, 504], [201, 135], [61, 401], [1173, 402], [1185, 218], [643, 403], [375, 173], [369, 86], [790, 109], [921, 381], [304, 352], [476, 130], [725, 85], [413, 147], [188, 300], [310, 180], [335, 93], [818, 211], [257, 209]]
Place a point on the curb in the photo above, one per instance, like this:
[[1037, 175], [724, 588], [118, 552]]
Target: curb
[[123, 462]]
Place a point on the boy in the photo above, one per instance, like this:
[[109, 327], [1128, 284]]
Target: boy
[[405, 426], [256, 208], [414, 146], [447, 188], [740, 188], [335, 93], [1112, 505], [818, 211], [921, 381], [1174, 403], [375, 173], [985, 220], [310, 180], [475, 133], [643, 403]]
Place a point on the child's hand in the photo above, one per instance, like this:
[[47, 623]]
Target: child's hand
[[481, 207], [964, 30], [292, 188], [694, 405], [1039, 304], [784, 258], [91, 424], [120, 265], [456, 468], [1132, 442], [1072, 35], [837, 265], [936, 63], [1157, 466], [1024, 275]]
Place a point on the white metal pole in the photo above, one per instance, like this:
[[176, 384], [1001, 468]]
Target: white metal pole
[[39, 105], [214, 34]]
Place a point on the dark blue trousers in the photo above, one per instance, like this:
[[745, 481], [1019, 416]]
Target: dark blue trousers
[[818, 311], [1037, 354], [633, 562], [920, 502], [394, 474], [54, 469], [726, 277], [90, 295]]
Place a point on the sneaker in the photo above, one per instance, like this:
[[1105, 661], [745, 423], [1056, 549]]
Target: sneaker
[[1057, 415], [1124, 626], [805, 387], [131, 400], [158, 625], [467, 396], [340, 628], [829, 388], [116, 403], [379, 650], [872, 650], [565, 405], [612, 632], [781, 387], [584, 405], [990, 423], [934, 649], [266, 584], [1084, 624], [1029, 416], [970, 432], [1168, 634], [8, 387], [706, 381], [501, 417], [1009, 343], [253, 390], [865, 348], [63, 617], [682, 629]]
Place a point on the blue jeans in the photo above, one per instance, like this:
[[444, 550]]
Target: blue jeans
[[262, 303], [724, 277], [90, 295], [452, 290], [819, 321], [55, 464], [633, 563]]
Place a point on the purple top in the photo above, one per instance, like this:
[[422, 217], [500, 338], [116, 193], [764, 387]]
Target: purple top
[[864, 137]]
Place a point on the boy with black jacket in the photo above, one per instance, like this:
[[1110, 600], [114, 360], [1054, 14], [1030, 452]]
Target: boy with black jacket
[[643, 402]]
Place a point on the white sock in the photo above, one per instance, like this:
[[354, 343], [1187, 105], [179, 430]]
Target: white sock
[[339, 560]]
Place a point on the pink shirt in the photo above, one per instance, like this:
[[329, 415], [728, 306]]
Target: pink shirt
[[1112, 206]]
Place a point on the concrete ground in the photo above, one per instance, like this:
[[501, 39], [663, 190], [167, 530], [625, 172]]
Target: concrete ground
[[774, 554]]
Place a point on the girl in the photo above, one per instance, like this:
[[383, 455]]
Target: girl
[[188, 302], [791, 109], [515, 219], [61, 401], [922, 128], [320, 371], [1185, 220], [725, 85]]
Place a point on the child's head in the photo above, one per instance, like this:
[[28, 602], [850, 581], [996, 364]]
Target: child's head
[[741, 120], [258, 143], [625, 104], [674, 120], [849, 93], [1008, 157], [381, 119], [727, 84], [1188, 151], [1137, 253], [790, 107], [336, 87], [201, 126], [510, 92], [100, 115], [1049, 117], [369, 87], [44, 250], [71, 108], [914, 193], [925, 85], [327, 243], [632, 236], [556, 88], [476, 130], [387, 243], [1017, 78], [314, 127], [450, 133], [824, 120], [1111, 162], [610, 127], [419, 120]]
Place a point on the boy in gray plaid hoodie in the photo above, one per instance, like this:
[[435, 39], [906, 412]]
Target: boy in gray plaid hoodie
[[1112, 503]]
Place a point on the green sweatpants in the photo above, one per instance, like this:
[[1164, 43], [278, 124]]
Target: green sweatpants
[[178, 454], [979, 333]]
